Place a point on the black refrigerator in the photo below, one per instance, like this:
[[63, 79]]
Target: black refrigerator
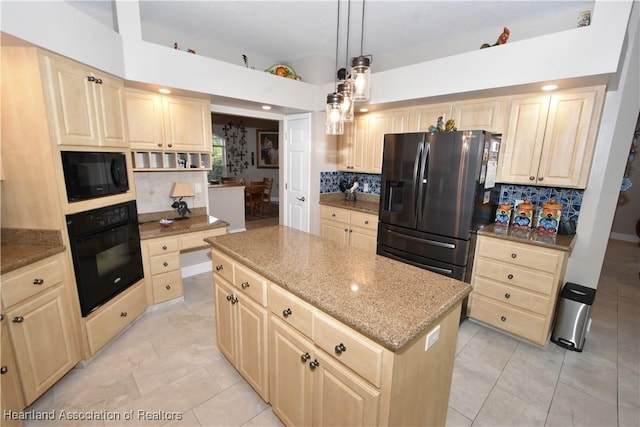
[[437, 189]]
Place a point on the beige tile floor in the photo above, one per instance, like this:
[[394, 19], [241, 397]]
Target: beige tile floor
[[167, 363]]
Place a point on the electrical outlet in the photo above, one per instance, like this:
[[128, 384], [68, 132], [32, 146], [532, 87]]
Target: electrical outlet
[[432, 337], [365, 187], [198, 187]]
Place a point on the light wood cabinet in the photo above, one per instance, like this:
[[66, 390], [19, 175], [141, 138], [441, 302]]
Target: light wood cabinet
[[86, 106], [425, 116], [168, 123], [485, 114], [38, 315], [242, 322], [11, 399], [161, 262], [550, 139], [515, 287], [361, 146], [349, 228]]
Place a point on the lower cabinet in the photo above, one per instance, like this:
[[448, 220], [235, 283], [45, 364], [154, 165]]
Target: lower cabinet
[[37, 312], [11, 399], [349, 228]]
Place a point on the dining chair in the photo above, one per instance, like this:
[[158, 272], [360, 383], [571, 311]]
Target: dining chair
[[254, 196], [268, 184]]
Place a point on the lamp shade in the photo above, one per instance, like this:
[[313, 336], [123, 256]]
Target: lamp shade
[[361, 78], [333, 121], [182, 189]]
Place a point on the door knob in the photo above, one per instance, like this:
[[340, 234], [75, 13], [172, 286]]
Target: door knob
[[302, 199]]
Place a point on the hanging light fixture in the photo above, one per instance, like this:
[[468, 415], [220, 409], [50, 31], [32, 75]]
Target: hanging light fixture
[[346, 85], [360, 71], [334, 125]]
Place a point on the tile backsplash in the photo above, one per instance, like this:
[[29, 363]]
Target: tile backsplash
[[570, 199]]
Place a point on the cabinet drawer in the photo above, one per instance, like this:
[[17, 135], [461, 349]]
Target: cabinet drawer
[[196, 240], [520, 254], [364, 220], [163, 246], [511, 295], [164, 263], [166, 286], [112, 318], [513, 275], [222, 265], [291, 309], [358, 353], [334, 214], [31, 280], [507, 318], [251, 284]]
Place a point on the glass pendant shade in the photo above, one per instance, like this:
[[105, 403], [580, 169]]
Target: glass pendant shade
[[333, 122], [347, 101], [360, 75]]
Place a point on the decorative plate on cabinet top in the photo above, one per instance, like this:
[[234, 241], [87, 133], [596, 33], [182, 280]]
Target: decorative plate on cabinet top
[[283, 70], [166, 222]]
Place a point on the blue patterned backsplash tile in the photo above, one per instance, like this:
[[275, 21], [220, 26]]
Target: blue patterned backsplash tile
[[571, 200], [330, 181]]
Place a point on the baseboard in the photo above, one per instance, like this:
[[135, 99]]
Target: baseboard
[[193, 270], [624, 237]]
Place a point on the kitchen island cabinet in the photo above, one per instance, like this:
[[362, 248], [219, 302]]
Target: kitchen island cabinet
[[349, 228], [349, 326]]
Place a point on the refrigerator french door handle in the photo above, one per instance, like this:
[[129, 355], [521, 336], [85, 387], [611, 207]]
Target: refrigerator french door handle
[[421, 178], [428, 241]]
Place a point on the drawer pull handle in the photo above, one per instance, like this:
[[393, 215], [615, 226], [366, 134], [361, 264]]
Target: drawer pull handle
[[232, 298], [159, 144], [366, 222], [314, 364], [166, 264], [169, 145], [507, 295], [333, 214], [168, 287], [123, 314], [245, 285], [219, 267], [504, 319], [510, 276], [305, 357], [164, 247], [532, 178], [340, 348], [286, 313], [18, 319], [38, 281], [4, 370], [541, 178], [514, 255]]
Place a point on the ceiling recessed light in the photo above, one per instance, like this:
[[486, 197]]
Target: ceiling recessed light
[[364, 110], [163, 90], [266, 107], [549, 87]]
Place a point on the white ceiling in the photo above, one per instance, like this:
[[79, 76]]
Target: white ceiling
[[302, 33]]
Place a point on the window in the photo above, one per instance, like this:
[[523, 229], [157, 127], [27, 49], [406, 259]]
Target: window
[[218, 158]]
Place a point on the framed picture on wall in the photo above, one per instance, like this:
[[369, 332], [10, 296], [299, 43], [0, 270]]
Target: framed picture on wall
[[267, 148]]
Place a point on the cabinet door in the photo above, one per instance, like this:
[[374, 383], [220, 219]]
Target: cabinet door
[[144, 120], [42, 335], [566, 149], [486, 115], [336, 231], [224, 319], [352, 148], [11, 399], [111, 111], [187, 124], [392, 121], [73, 110], [340, 397], [424, 117], [363, 239], [251, 327], [290, 375], [522, 145]]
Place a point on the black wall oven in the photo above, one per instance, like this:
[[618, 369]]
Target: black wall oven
[[105, 246], [88, 175]]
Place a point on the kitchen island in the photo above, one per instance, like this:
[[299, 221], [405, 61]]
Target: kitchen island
[[310, 292]]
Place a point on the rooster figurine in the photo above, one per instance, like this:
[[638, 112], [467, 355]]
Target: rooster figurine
[[502, 39]]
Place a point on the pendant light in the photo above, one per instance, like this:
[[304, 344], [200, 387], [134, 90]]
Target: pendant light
[[346, 86], [360, 71], [333, 121]]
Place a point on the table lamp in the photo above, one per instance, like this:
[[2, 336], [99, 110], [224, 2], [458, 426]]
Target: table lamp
[[180, 190]]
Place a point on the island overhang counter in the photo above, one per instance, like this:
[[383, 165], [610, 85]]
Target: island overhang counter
[[388, 301]]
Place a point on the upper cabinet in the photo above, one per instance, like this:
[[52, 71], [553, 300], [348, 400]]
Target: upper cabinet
[[550, 139], [487, 114], [425, 116], [86, 106], [168, 123], [361, 146]]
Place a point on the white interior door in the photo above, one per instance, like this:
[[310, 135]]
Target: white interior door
[[297, 131]]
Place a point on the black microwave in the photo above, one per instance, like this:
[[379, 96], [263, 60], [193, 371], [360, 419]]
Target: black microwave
[[88, 175]]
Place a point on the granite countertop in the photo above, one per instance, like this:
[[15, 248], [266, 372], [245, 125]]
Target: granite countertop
[[21, 247], [152, 228], [558, 241], [391, 302], [367, 203]]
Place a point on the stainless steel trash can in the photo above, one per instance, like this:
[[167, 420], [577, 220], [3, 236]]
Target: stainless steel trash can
[[573, 316]]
